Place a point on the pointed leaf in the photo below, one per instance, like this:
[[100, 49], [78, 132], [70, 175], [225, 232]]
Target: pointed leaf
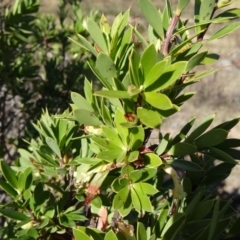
[[54, 146], [97, 35], [79, 235], [154, 73], [85, 44], [144, 200], [202, 127], [182, 149], [151, 160], [135, 200], [195, 60], [186, 165], [106, 67], [182, 134], [158, 100], [141, 232], [111, 134], [110, 235], [120, 198], [148, 188], [211, 138], [17, 216], [80, 101], [163, 144], [170, 75], [9, 174], [113, 94], [225, 31], [8, 189], [152, 15], [86, 117], [148, 59], [220, 155], [148, 117], [182, 4]]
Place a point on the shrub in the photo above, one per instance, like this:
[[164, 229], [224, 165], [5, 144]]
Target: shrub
[[39, 66], [93, 174]]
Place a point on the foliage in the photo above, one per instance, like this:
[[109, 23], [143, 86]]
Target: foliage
[[92, 173], [39, 66]]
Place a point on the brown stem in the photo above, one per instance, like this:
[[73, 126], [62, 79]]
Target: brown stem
[[166, 43]]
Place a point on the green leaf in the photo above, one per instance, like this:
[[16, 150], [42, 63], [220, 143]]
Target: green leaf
[[210, 58], [182, 149], [136, 138], [148, 188], [153, 16], [113, 94], [9, 174], [173, 226], [206, 10], [220, 155], [214, 220], [234, 229], [97, 35], [144, 200], [183, 98], [229, 124], [202, 127], [17, 216], [170, 75], [186, 165], [133, 156], [143, 174], [191, 206], [80, 101], [225, 31], [211, 138], [134, 69], [119, 183], [103, 80], [148, 60], [79, 235], [229, 143], [158, 100], [54, 146], [151, 160], [163, 144], [195, 60], [150, 118], [106, 67], [154, 73], [110, 235], [120, 119], [135, 200], [85, 44], [120, 198], [141, 232], [25, 179], [111, 134], [182, 4], [110, 155], [201, 210], [183, 133], [86, 117], [8, 189]]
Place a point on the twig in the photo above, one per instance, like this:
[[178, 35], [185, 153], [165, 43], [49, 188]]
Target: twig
[[169, 34]]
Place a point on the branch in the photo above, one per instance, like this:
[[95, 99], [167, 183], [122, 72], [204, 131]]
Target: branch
[[166, 44]]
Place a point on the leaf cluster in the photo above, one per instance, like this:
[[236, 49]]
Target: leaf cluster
[[92, 173]]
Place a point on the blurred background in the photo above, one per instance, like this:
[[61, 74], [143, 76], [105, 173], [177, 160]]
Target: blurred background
[[39, 66]]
